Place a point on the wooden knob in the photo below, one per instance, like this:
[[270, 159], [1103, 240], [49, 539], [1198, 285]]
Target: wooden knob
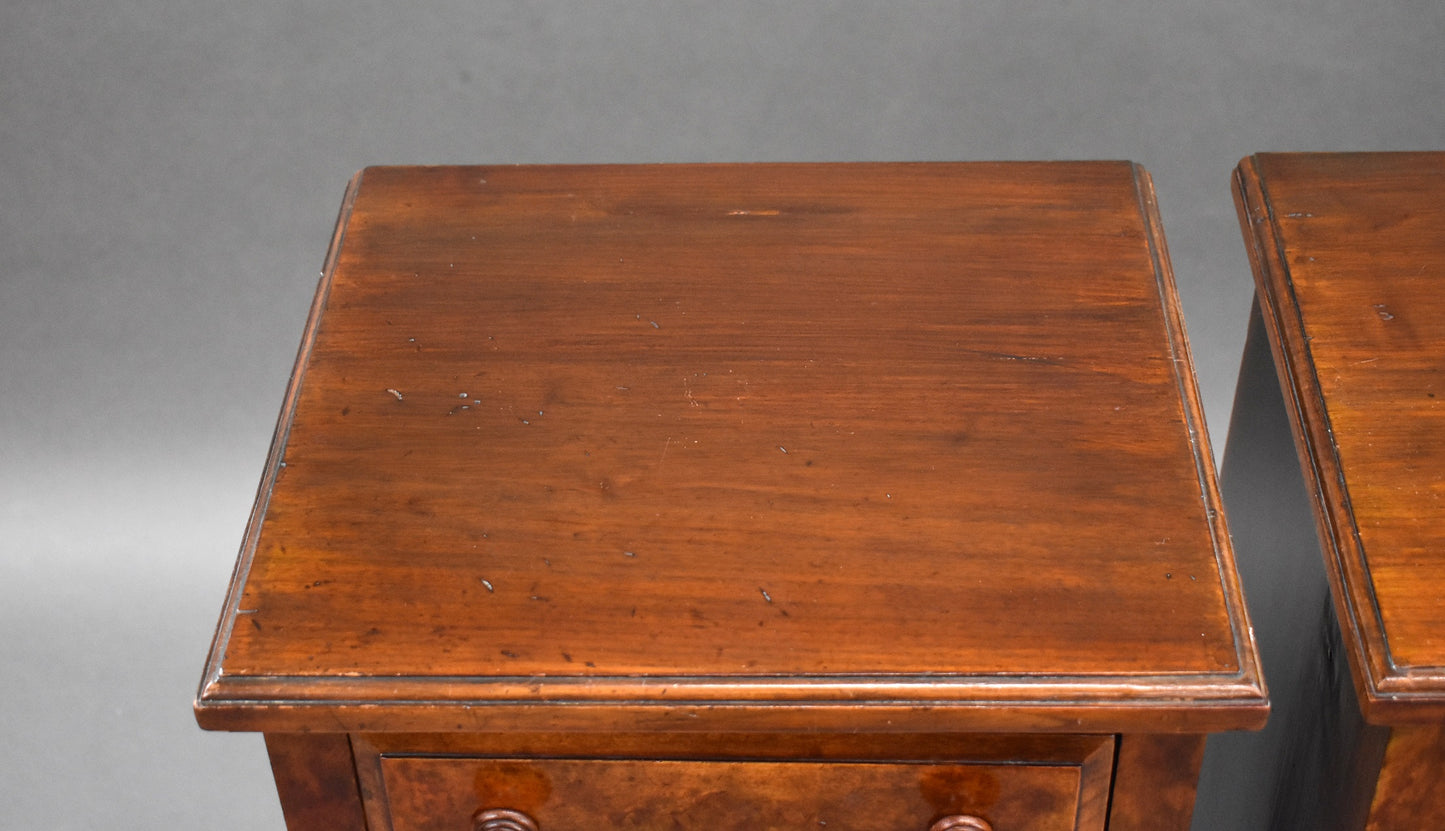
[[502, 819], [961, 822]]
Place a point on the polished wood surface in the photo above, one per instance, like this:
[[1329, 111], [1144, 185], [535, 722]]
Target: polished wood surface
[[1350, 251], [890, 444], [1410, 792], [741, 496], [316, 781], [1154, 782], [431, 794], [670, 781], [1347, 250]]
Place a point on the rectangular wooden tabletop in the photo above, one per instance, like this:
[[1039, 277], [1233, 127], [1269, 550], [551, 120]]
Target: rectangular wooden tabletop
[[1349, 252], [892, 445]]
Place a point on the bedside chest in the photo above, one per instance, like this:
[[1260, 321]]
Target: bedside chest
[[1345, 364], [845, 496]]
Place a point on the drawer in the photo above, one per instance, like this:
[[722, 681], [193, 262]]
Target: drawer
[[433, 793]]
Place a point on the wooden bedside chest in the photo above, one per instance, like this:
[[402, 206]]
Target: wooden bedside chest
[[1346, 364], [845, 496]]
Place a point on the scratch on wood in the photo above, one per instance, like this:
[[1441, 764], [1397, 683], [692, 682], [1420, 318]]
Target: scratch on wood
[[1033, 359]]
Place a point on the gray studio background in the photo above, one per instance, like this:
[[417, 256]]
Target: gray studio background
[[170, 172]]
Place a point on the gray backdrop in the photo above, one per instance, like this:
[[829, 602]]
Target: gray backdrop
[[170, 172]]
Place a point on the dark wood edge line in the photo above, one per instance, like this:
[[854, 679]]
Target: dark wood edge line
[[1113, 781], [1176, 716], [1416, 680], [686, 758], [897, 681], [743, 746], [230, 610], [376, 802], [1141, 692], [1245, 648], [1371, 663], [774, 163], [1096, 778], [1275, 290]]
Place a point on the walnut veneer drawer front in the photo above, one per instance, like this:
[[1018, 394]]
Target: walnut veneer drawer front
[[436, 794]]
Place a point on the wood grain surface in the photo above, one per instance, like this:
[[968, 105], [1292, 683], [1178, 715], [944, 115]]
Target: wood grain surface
[[1349, 252], [1154, 782], [720, 759], [841, 780], [434, 794], [1410, 792], [316, 781], [903, 444]]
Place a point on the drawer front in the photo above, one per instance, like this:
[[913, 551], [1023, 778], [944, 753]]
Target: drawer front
[[430, 793]]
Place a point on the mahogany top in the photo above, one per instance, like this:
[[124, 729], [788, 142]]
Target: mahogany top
[[1349, 254], [901, 446]]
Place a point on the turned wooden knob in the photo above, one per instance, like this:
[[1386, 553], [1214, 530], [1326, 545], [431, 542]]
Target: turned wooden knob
[[961, 822], [502, 819]]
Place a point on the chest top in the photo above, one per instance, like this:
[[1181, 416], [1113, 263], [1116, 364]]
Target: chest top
[[1349, 250], [762, 446]]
